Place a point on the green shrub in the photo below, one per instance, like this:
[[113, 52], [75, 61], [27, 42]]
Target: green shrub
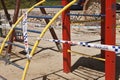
[[10, 4]]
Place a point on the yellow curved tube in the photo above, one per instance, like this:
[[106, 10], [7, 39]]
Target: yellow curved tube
[[42, 34], [9, 33]]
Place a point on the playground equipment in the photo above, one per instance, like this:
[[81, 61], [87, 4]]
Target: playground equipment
[[94, 7], [108, 24], [108, 8], [6, 12], [42, 33], [106, 38]]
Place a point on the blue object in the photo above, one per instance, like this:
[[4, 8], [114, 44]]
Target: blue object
[[43, 17]]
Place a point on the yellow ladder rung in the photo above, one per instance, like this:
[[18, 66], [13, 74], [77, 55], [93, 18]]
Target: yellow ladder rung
[[101, 59]]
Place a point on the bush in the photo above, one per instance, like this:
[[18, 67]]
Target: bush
[[10, 4]]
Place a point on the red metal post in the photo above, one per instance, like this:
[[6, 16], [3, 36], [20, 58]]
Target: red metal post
[[66, 36], [6, 12], [16, 12], [108, 36]]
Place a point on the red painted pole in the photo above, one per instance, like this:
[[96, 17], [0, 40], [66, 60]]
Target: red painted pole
[[108, 36], [6, 12], [66, 36], [16, 12]]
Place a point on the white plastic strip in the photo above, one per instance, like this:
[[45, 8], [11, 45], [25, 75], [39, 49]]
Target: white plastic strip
[[25, 35], [90, 45]]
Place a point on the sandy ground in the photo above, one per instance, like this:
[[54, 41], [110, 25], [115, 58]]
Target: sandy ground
[[47, 63]]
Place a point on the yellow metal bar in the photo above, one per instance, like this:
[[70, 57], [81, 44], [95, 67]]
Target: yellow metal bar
[[42, 34], [101, 59], [117, 26], [9, 33]]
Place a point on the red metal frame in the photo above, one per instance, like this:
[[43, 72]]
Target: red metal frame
[[6, 12], [66, 36], [108, 36], [16, 12]]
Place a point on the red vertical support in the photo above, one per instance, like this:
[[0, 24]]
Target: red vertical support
[[66, 36], [108, 36], [6, 12], [16, 12]]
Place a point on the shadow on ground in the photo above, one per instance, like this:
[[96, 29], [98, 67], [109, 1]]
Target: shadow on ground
[[83, 69], [96, 65], [2, 78]]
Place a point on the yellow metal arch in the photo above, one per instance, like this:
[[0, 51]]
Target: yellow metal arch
[[9, 33], [42, 34]]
